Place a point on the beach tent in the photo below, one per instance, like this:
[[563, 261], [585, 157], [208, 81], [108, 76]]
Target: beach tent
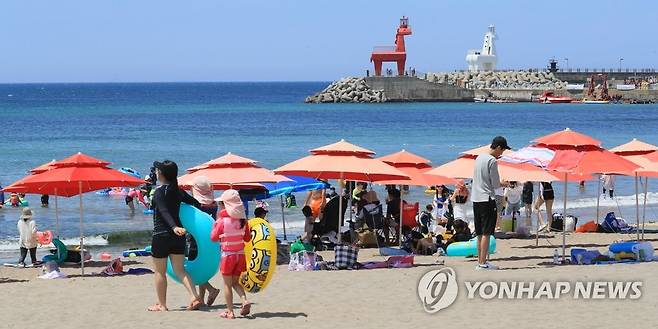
[[73, 176], [341, 160], [416, 168]]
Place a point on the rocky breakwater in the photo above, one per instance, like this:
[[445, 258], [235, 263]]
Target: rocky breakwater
[[499, 80], [348, 90]]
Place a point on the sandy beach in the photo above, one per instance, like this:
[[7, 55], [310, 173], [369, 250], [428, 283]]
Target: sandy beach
[[380, 298]]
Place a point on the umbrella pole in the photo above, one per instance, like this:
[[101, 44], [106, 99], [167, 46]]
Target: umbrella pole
[[598, 200], [340, 207], [564, 220], [82, 244], [401, 212], [283, 219], [57, 221], [56, 216], [644, 210], [637, 209]]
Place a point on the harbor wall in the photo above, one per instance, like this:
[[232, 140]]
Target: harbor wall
[[412, 89]]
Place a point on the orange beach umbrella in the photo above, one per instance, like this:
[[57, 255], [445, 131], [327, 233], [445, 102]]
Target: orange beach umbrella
[[342, 160], [230, 171]]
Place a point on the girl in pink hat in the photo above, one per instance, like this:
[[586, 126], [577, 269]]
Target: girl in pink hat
[[233, 231]]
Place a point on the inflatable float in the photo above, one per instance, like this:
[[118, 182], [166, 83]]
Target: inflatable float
[[469, 248], [205, 265], [639, 250], [60, 254], [137, 252], [45, 237], [130, 171], [260, 254]]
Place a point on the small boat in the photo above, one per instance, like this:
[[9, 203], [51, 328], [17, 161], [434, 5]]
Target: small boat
[[548, 97]]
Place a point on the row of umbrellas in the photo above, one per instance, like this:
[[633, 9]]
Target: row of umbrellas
[[571, 157]]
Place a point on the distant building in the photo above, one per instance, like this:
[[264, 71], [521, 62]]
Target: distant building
[[484, 59]]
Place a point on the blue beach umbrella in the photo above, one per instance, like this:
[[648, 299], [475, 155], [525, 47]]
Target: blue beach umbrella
[[296, 184]]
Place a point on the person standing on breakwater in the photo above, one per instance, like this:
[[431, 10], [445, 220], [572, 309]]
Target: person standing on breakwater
[[485, 182], [169, 235]]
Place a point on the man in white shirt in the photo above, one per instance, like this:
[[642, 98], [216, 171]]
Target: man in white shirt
[[485, 182]]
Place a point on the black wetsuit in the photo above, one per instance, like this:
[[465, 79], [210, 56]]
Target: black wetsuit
[[166, 201]]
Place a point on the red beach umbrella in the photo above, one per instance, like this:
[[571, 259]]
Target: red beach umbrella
[[44, 167], [76, 175]]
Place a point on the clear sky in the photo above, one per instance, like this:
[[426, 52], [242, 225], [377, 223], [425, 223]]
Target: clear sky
[[248, 40]]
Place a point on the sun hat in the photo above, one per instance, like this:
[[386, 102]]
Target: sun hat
[[233, 204], [202, 190], [27, 213]]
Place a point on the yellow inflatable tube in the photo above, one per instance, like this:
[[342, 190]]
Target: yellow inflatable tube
[[260, 254]]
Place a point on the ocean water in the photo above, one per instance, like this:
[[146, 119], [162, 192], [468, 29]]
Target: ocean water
[[131, 125]]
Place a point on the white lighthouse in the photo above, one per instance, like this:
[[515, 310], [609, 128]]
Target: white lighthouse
[[485, 59]]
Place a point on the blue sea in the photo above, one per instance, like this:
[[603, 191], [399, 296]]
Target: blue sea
[[133, 124]]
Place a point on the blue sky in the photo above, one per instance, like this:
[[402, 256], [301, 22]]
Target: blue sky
[[214, 40]]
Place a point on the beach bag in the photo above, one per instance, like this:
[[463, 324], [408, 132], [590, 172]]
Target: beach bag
[[559, 221], [303, 261], [345, 256], [114, 268], [612, 224], [298, 246]]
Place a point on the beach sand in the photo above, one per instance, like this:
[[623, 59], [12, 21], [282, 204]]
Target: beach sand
[[381, 298]]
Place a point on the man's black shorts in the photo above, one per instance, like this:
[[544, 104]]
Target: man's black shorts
[[485, 217]]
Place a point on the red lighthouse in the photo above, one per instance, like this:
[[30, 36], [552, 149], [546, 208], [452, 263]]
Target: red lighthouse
[[395, 53]]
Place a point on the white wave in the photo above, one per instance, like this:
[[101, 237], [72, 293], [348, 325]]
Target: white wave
[[622, 200], [12, 245]]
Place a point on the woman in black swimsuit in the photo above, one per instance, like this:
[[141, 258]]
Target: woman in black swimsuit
[[546, 195], [169, 235]]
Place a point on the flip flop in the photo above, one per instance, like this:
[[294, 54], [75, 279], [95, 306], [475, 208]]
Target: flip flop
[[157, 308], [246, 309], [211, 297], [227, 315], [195, 305]]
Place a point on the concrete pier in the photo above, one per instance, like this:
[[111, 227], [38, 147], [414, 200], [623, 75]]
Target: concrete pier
[[411, 89]]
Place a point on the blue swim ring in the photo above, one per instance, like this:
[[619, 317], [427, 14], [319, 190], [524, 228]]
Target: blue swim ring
[[205, 265]]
